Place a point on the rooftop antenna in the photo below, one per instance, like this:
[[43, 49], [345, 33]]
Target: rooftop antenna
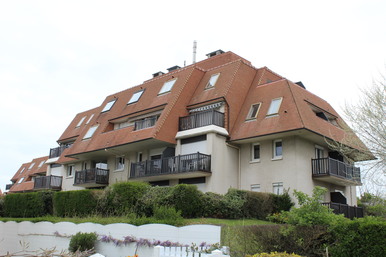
[[194, 50]]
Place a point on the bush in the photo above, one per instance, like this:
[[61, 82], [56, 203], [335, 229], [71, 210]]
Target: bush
[[360, 237], [82, 242], [187, 199], [168, 215], [152, 198], [27, 205], [274, 254], [213, 205], [373, 205], [1, 206], [122, 197], [282, 202], [258, 205], [233, 203], [79, 203]]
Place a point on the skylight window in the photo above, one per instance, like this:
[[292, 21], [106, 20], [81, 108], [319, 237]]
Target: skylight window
[[22, 170], [90, 132], [135, 97], [108, 106], [274, 107], [324, 115], [21, 180], [89, 119], [41, 163], [81, 121], [167, 86], [212, 81], [253, 111], [31, 166]]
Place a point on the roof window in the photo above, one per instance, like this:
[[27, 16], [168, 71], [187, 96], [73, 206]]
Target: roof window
[[31, 166], [274, 107], [21, 180], [135, 97], [81, 121], [212, 81], [90, 132], [324, 115], [253, 111], [108, 106], [89, 119], [22, 170], [41, 164], [167, 87]]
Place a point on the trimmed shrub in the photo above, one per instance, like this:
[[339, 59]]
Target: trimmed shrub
[[274, 254], [1, 206], [123, 196], [258, 205], [82, 242], [360, 237], [213, 205], [79, 203], [152, 198], [282, 202], [234, 203], [26, 205], [187, 199], [168, 215]]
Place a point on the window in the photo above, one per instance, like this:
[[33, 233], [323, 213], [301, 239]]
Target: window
[[135, 97], [119, 163], [274, 107], [70, 170], [21, 180], [277, 188], [255, 154], [41, 164], [81, 121], [167, 86], [90, 132], [89, 119], [319, 152], [277, 149], [212, 81], [255, 188], [31, 166], [253, 111], [139, 157], [108, 106], [22, 170]]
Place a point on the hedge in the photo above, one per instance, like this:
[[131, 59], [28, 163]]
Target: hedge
[[78, 203], [28, 205]]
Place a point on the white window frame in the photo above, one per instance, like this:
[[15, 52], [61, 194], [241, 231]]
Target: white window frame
[[22, 170], [109, 105], [251, 110], [70, 171], [274, 107], [21, 180], [41, 164], [135, 97], [31, 166], [119, 166], [274, 152], [317, 149], [89, 119], [81, 121], [278, 188], [253, 159], [90, 132], [255, 188], [167, 87], [212, 81]]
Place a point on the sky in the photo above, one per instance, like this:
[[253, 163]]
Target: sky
[[59, 58]]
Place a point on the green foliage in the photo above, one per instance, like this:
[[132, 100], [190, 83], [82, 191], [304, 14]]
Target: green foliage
[[1, 206], [258, 205], [234, 204], [75, 203], [282, 202], [168, 215], [274, 254], [373, 205], [360, 237], [187, 199], [153, 197], [82, 242], [28, 204], [213, 205], [122, 197]]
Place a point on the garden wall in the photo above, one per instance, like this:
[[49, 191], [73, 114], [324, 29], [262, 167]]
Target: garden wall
[[46, 235]]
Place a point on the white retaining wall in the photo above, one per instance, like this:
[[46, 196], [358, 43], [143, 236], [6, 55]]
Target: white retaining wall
[[44, 235]]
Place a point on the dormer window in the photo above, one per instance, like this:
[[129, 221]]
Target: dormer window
[[167, 87], [81, 121], [253, 111], [274, 107], [108, 106], [90, 132], [212, 81], [135, 97], [324, 115]]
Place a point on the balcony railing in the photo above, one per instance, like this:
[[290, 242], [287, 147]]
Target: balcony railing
[[348, 211], [48, 182], [145, 123], [8, 186], [92, 176], [57, 151], [172, 165], [201, 119], [329, 166]]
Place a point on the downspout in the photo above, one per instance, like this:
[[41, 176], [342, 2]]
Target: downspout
[[239, 165]]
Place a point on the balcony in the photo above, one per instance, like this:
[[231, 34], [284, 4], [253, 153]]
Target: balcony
[[48, 182], [201, 119], [8, 186], [334, 171], [56, 152], [189, 165], [348, 211], [95, 177], [145, 123]]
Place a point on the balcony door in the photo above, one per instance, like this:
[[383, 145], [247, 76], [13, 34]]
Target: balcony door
[[101, 165]]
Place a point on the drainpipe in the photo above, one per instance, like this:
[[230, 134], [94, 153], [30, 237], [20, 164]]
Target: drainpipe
[[239, 165]]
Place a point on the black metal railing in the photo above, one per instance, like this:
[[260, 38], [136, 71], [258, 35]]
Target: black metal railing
[[348, 211], [171, 165], [201, 119], [95, 176], [8, 186], [57, 151], [145, 123], [329, 166], [48, 182]]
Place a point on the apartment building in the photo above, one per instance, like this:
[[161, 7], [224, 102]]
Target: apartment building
[[217, 123]]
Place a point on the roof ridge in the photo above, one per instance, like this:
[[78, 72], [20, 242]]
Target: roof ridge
[[295, 102]]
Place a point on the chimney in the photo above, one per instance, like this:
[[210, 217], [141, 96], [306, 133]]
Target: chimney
[[194, 50], [158, 74], [300, 84], [217, 52]]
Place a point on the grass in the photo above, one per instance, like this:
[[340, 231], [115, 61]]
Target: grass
[[139, 221]]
